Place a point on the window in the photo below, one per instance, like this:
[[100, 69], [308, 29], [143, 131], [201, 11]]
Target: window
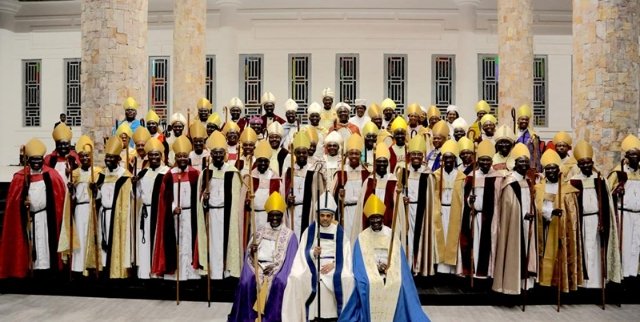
[[251, 70], [539, 91], [347, 76], [159, 86], [299, 82], [488, 71], [73, 108], [210, 78], [444, 81], [395, 79], [31, 92]]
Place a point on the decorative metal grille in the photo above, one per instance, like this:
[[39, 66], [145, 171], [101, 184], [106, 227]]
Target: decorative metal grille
[[251, 71], [443, 78], [395, 69], [73, 107], [210, 78], [540, 91], [347, 75], [488, 65], [159, 86], [300, 82], [31, 92]]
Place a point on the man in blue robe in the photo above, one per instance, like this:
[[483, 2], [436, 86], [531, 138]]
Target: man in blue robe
[[384, 289]]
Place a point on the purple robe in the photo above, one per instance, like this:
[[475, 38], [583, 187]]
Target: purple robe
[[245, 297]]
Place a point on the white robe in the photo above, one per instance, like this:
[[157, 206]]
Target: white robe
[[82, 216], [143, 237], [38, 199], [590, 235]]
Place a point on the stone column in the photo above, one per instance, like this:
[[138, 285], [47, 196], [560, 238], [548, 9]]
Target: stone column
[[515, 51], [114, 63], [190, 17], [605, 75], [466, 59]]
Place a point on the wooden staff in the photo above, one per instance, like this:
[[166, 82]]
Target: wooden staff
[[318, 240], [406, 205], [373, 169], [472, 207], [292, 208], [531, 219], [72, 199], [621, 220], [603, 265], [559, 256], [343, 174], [205, 161], [187, 126], [393, 223], [513, 117], [253, 236], [178, 239], [135, 210], [94, 214], [226, 114], [30, 230]]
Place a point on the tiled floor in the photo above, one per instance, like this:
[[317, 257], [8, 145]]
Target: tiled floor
[[63, 308]]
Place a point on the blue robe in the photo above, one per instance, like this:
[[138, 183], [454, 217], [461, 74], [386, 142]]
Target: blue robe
[[408, 307]]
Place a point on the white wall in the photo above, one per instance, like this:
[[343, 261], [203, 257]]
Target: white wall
[[372, 39]]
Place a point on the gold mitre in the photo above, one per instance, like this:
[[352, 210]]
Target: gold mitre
[[62, 133], [583, 150], [441, 128], [141, 135], [374, 110], [301, 140], [197, 130], [355, 142], [153, 144], [398, 124], [520, 150], [369, 128], [414, 108], [312, 132], [465, 144], [35, 148], [204, 104], [488, 118], [231, 126], [384, 136], [418, 144], [388, 103], [483, 106], [263, 150], [248, 135], [217, 141], [84, 144], [550, 157], [382, 151], [504, 132], [374, 206], [450, 146], [562, 136], [631, 142], [524, 110], [151, 116], [181, 145], [130, 104], [124, 128], [275, 202], [433, 111], [214, 118], [486, 149], [113, 146]]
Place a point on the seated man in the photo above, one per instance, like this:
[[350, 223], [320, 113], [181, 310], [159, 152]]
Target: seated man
[[336, 279], [275, 247], [384, 288]]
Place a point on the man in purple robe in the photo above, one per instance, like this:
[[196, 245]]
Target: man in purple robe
[[274, 246]]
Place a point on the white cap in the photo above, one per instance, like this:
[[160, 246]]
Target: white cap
[[423, 109], [343, 105], [333, 137], [460, 123], [268, 97], [327, 92], [177, 117], [327, 203], [235, 102], [314, 108], [451, 108], [291, 105], [360, 102], [275, 128]]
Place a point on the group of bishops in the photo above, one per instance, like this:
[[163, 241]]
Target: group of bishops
[[328, 220]]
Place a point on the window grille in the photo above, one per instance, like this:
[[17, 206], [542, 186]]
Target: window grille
[[539, 91], [347, 75], [300, 82], [31, 92], [395, 69], [443, 78], [251, 71], [488, 65], [73, 107], [159, 86], [210, 78]]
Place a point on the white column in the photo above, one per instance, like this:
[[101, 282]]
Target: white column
[[466, 94], [227, 60]]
